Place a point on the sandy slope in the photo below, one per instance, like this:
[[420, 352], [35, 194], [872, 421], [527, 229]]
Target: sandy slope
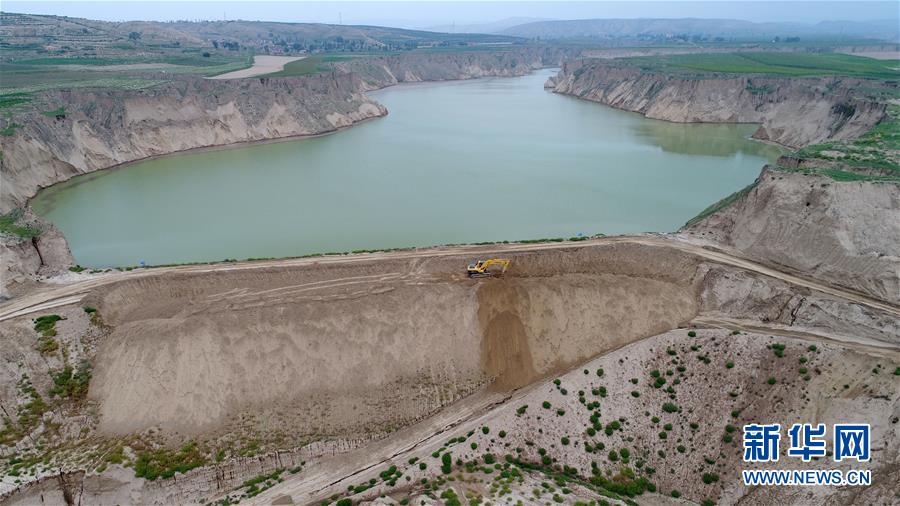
[[262, 64]]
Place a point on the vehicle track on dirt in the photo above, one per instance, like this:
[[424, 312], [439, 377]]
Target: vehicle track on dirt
[[49, 297]]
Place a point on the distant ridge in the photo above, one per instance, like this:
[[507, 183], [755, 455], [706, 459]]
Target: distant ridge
[[727, 28]]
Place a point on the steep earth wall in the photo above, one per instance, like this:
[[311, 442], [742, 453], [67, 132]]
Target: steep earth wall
[[845, 233], [793, 112], [105, 128], [415, 67]]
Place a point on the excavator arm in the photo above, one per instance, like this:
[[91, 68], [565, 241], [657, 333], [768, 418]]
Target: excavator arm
[[483, 268]]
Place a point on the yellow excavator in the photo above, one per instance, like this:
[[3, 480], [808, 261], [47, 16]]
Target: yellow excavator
[[488, 268]]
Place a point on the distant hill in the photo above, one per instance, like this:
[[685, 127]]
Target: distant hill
[[708, 28], [21, 34], [492, 27]]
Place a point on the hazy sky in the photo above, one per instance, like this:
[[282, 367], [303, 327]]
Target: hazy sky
[[428, 13]]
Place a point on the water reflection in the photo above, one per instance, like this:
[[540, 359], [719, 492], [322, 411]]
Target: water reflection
[[704, 139]]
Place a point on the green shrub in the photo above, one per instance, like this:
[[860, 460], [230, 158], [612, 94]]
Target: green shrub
[[691, 333], [729, 364], [162, 463], [635, 394], [47, 345], [72, 385], [46, 325], [771, 381], [669, 407], [8, 225], [546, 405], [600, 372], [778, 349], [446, 463], [710, 478]]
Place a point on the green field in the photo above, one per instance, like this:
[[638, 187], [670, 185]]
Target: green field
[[23, 77], [782, 64], [310, 65]]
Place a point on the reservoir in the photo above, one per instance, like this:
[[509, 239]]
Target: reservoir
[[453, 162]]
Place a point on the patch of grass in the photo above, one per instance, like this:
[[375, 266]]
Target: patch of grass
[[304, 67], [12, 100], [718, 206], [876, 149], [10, 129], [29, 414], [774, 63], [46, 325], [162, 463], [71, 384]]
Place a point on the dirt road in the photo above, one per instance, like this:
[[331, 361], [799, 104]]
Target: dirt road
[[70, 293]]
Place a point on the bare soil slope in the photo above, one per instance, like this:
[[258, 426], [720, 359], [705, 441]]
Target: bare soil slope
[[845, 233], [338, 350]]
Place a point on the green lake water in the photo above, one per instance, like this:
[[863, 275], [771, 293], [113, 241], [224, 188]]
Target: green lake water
[[455, 162]]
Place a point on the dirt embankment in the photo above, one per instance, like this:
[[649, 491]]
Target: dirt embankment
[[844, 233], [793, 112], [343, 350]]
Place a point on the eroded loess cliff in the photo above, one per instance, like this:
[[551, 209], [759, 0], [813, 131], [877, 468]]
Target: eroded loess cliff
[[844, 232], [415, 67], [104, 128], [792, 111]]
